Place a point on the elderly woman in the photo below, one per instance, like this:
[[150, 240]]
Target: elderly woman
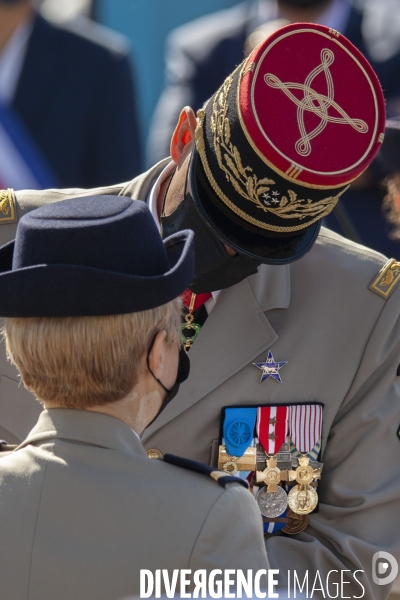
[[89, 290]]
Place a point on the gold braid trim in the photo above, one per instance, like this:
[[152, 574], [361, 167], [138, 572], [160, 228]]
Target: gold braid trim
[[7, 212], [244, 181]]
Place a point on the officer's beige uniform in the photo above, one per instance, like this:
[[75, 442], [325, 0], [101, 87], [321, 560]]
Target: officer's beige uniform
[[83, 509], [341, 342]]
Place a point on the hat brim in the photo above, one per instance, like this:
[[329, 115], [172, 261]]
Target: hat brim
[[62, 290], [266, 248]]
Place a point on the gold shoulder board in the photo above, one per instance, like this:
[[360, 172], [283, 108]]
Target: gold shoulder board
[[7, 210], [387, 279]]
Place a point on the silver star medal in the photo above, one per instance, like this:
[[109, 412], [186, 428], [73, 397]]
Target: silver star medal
[[270, 368]]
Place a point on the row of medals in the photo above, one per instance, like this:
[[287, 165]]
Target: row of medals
[[272, 499]]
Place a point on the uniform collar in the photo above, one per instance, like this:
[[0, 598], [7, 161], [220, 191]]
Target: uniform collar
[[152, 197], [87, 427]]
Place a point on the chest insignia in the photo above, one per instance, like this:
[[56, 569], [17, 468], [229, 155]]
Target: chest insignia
[[270, 368], [275, 448], [388, 278]]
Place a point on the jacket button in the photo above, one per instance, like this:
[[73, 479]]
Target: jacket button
[[153, 453]]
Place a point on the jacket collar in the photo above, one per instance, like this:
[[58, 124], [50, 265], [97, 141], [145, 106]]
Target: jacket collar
[[88, 427], [139, 188]]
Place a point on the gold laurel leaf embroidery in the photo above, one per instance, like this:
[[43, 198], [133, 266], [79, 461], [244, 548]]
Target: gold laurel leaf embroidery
[[263, 189], [4, 204], [250, 186], [389, 277], [227, 132], [238, 162], [232, 167], [237, 187]]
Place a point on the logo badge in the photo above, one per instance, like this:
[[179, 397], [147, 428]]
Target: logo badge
[[381, 573]]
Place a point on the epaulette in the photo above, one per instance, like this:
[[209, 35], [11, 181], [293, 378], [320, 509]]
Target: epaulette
[[7, 209], [220, 476], [387, 279]]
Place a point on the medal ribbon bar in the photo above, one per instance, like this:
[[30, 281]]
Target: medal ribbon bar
[[238, 429], [238, 453], [305, 426], [272, 427]]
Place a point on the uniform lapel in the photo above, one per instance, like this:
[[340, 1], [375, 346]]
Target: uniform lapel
[[235, 333]]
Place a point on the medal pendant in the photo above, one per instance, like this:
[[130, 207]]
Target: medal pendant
[[302, 499], [193, 329], [233, 464], [305, 473], [271, 476], [272, 504], [295, 523]]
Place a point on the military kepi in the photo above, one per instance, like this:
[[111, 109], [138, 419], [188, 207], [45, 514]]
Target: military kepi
[[281, 140], [98, 255]]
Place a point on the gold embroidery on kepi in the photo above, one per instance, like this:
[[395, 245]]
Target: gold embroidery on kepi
[[7, 211], [387, 280]]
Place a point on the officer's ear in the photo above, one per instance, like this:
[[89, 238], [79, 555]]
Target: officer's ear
[[183, 136]]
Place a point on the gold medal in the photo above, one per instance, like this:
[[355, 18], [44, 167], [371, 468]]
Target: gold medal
[[295, 523], [271, 476], [302, 499], [304, 474], [233, 464]]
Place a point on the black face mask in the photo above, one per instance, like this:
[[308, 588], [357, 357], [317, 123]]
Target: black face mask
[[214, 268], [181, 376]]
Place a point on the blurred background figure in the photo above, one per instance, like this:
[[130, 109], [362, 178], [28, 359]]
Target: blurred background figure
[[67, 100], [389, 158], [200, 54]]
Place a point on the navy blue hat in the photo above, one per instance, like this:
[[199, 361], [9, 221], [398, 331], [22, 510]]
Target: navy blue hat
[[98, 255]]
